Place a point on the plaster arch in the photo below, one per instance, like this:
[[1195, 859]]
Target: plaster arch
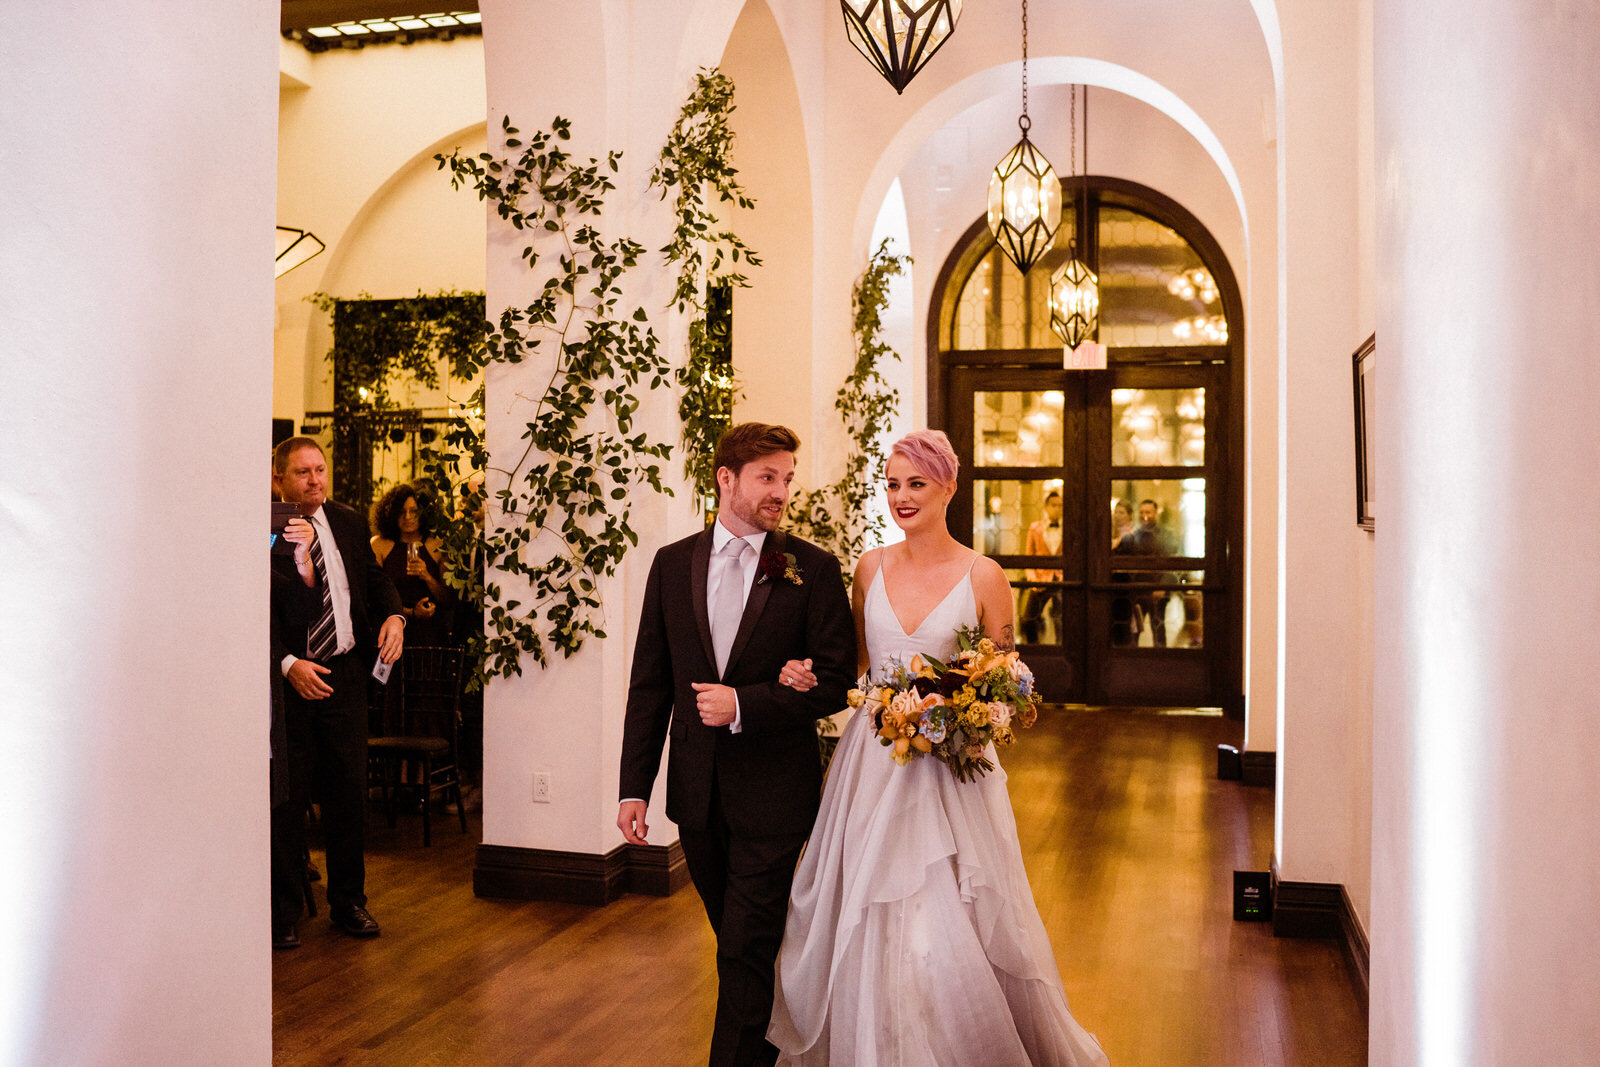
[[1052, 70], [344, 276], [770, 139]]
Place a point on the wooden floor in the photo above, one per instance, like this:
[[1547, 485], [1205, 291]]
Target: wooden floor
[[1130, 843]]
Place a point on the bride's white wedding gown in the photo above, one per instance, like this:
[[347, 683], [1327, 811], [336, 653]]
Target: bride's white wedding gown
[[912, 937]]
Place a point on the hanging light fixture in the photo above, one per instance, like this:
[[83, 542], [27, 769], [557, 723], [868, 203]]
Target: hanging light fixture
[[1024, 194], [899, 36], [1074, 289], [294, 248]]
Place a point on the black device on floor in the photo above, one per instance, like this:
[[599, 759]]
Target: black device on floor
[[1252, 896]]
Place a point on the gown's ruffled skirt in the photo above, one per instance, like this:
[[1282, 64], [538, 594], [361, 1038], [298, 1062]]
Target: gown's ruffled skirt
[[912, 936]]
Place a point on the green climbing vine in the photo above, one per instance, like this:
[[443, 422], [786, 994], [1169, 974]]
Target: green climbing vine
[[693, 167], [836, 516], [564, 501]]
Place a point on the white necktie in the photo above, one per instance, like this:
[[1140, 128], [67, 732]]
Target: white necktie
[[727, 606]]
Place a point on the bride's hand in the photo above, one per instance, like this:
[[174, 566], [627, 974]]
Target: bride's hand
[[796, 674]]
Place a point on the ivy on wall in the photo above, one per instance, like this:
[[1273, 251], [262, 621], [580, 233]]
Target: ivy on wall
[[695, 169], [564, 501], [836, 516]]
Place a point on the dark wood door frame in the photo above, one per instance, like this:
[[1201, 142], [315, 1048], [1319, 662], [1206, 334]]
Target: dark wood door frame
[[1224, 373]]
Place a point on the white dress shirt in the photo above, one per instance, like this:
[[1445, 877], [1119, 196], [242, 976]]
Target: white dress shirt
[[720, 569], [338, 585]]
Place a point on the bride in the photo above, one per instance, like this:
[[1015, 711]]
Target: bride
[[912, 935]]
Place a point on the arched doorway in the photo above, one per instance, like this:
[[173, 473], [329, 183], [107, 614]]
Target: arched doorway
[[1142, 607]]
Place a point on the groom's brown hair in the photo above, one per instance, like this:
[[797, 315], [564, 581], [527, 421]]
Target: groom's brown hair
[[752, 440]]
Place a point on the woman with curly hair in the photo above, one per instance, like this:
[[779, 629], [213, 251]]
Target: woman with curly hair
[[414, 563]]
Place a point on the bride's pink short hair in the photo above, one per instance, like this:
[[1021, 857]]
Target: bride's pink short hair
[[929, 451]]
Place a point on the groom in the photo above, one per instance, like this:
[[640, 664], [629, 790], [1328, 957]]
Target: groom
[[723, 611]]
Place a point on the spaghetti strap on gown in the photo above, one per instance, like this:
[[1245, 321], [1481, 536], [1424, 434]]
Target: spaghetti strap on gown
[[912, 936]]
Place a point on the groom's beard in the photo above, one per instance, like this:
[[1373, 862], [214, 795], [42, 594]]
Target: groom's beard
[[751, 511]]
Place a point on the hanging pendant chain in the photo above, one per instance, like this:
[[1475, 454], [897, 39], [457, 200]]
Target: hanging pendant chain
[[1072, 124], [1024, 58]]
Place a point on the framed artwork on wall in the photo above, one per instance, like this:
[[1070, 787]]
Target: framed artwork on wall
[[1363, 374]]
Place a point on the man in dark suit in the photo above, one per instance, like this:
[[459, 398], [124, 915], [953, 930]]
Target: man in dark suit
[[723, 611], [331, 649]]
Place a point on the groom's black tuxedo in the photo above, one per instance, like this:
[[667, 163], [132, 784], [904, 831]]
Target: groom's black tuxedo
[[743, 802]]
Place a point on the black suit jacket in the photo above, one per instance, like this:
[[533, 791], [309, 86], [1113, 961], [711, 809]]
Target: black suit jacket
[[769, 775], [372, 595], [290, 596]]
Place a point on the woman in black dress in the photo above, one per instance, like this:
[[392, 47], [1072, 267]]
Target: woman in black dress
[[414, 563]]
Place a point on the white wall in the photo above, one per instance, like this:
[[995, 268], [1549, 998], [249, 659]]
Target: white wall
[[137, 203], [1323, 752], [1486, 874], [357, 135], [772, 318]]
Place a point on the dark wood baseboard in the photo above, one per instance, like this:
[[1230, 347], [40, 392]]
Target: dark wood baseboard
[[1260, 768], [1322, 910], [1353, 940], [514, 873]]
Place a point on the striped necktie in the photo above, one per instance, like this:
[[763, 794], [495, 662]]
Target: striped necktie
[[324, 636]]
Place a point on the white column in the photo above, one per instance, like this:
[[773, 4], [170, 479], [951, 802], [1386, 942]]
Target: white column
[[1486, 872], [136, 204], [616, 77]]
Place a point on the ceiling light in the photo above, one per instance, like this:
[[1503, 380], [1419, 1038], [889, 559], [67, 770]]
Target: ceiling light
[[1074, 289], [898, 37], [1024, 192], [294, 248]]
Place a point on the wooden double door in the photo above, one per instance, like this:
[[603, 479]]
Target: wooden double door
[[1112, 499]]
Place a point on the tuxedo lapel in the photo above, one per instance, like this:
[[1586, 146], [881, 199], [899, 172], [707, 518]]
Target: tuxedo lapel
[[699, 567], [755, 602]]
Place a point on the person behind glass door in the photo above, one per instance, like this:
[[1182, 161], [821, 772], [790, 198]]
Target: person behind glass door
[[1044, 539], [1124, 620], [1121, 521], [1149, 539]]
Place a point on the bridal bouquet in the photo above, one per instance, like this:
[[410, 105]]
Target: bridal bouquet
[[953, 710]]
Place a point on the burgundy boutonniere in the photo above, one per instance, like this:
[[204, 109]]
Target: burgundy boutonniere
[[778, 565]]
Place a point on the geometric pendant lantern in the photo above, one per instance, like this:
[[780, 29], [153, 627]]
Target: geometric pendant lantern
[[899, 36], [1074, 301], [1074, 289], [1024, 192], [294, 248], [1024, 203]]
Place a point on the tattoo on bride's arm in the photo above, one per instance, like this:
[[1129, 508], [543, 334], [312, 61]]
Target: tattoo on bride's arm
[[1007, 641]]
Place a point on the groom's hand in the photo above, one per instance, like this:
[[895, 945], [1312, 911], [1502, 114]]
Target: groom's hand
[[630, 820], [717, 703]]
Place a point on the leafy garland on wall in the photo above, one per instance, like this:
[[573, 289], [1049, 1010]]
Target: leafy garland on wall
[[694, 164], [564, 501], [835, 516], [375, 339]]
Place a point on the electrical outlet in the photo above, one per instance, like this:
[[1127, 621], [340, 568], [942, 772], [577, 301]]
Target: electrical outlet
[[541, 787]]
